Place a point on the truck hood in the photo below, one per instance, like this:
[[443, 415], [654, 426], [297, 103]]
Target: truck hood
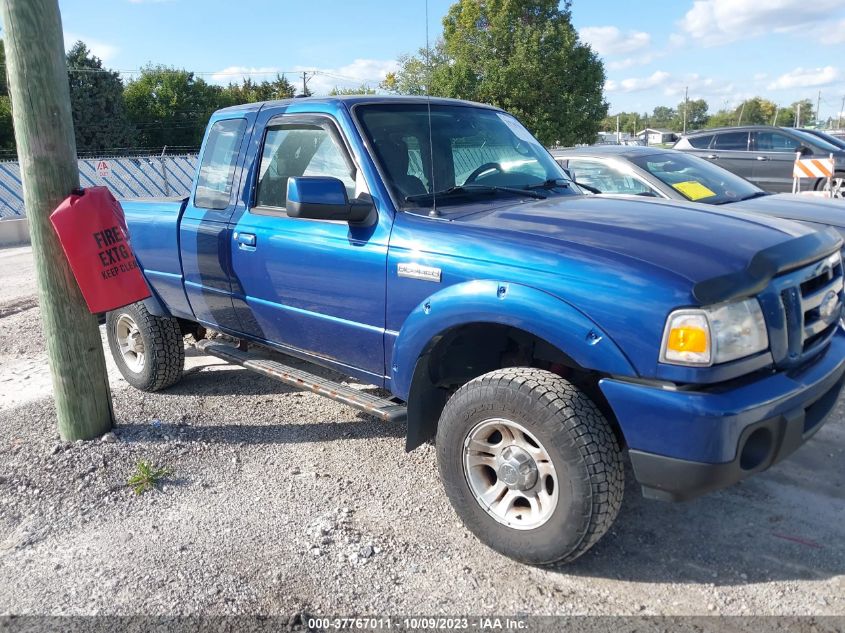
[[694, 241], [796, 207]]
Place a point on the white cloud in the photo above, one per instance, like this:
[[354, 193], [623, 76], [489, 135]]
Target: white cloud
[[609, 40], [638, 84], [320, 80], [713, 22], [834, 33], [711, 90], [805, 78], [100, 49], [630, 62], [235, 74]]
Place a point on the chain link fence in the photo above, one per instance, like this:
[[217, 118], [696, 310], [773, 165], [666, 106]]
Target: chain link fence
[[165, 176]]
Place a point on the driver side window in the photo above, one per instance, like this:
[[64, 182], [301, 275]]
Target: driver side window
[[300, 149], [606, 178]]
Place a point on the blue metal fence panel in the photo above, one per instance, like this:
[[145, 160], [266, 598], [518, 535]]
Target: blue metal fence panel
[[127, 177]]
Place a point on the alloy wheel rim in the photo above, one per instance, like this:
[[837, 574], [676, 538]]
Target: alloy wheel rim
[[510, 474], [836, 187], [130, 343]]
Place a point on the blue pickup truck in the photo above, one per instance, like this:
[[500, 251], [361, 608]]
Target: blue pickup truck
[[435, 249]]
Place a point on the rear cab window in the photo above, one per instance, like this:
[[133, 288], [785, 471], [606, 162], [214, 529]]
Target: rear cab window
[[217, 170]]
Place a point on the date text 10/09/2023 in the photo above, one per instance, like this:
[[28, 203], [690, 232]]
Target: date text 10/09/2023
[[421, 623]]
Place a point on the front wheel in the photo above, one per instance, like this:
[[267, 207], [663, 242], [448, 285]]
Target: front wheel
[[530, 465], [148, 350]]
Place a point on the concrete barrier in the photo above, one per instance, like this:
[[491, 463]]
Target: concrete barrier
[[14, 232]]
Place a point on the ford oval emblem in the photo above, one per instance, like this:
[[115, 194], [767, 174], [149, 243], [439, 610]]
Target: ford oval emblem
[[828, 305]]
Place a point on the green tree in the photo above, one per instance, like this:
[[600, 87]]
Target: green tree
[[7, 132], [249, 91], [722, 118], [788, 116], [663, 117], [521, 55], [170, 106], [96, 97], [363, 89], [629, 122], [755, 111], [696, 115], [414, 73]]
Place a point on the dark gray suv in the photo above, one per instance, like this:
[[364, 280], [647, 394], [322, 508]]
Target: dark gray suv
[[765, 155]]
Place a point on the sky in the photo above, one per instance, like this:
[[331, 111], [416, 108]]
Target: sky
[[723, 51]]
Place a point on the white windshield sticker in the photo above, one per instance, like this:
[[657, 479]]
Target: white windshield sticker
[[516, 127]]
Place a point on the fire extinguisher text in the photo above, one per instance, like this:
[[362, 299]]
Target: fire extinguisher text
[[113, 254]]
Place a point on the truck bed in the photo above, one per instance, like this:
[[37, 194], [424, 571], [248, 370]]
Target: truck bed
[[154, 233]]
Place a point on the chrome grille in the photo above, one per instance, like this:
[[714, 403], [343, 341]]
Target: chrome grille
[[812, 305]]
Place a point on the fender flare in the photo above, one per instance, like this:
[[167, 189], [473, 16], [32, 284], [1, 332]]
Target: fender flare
[[487, 301], [154, 305]]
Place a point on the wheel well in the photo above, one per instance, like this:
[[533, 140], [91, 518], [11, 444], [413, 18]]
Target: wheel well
[[463, 353]]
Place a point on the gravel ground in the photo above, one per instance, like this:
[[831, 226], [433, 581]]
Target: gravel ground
[[281, 502]]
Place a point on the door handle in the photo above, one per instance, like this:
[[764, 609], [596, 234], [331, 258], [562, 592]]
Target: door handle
[[762, 158], [712, 157], [245, 240]]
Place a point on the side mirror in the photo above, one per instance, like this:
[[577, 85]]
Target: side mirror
[[324, 198], [805, 151]]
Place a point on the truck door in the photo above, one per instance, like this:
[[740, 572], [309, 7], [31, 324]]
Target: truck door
[[311, 286], [204, 227]]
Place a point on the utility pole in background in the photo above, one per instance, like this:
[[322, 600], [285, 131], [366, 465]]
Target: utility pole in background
[[686, 105], [798, 114], [38, 86], [841, 111], [818, 108], [304, 83], [618, 138]]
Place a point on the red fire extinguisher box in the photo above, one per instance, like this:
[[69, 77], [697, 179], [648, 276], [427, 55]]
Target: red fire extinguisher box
[[93, 234]]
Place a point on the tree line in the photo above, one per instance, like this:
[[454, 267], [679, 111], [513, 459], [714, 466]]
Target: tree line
[[524, 56], [160, 107], [755, 111]]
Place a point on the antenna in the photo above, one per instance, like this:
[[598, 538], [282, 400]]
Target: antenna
[[434, 212]]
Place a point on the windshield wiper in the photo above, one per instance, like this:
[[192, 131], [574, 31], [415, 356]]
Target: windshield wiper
[[752, 196], [462, 190], [552, 183]]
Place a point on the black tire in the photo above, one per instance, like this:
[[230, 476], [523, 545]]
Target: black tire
[[573, 433], [163, 348]]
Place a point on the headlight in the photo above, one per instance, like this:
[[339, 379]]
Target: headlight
[[708, 336]]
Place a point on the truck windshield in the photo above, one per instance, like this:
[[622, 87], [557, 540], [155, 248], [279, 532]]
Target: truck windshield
[[476, 152], [697, 179]]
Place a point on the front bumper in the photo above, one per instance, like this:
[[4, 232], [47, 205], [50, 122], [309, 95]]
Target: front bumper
[[686, 443]]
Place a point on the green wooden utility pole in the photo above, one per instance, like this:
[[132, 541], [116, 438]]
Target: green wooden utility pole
[[38, 85]]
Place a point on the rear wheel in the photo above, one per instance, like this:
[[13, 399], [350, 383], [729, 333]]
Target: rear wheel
[[149, 350], [530, 465]]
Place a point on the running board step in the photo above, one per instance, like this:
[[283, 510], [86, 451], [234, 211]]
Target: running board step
[[386, 410]]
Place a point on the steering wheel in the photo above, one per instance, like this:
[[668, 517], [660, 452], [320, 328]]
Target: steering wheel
[[483, 169]]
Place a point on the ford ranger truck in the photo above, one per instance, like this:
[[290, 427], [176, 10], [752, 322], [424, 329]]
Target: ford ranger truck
[[434, 249]]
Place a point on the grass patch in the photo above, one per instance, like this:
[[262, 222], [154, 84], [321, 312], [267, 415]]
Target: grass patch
[[146, 477]]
